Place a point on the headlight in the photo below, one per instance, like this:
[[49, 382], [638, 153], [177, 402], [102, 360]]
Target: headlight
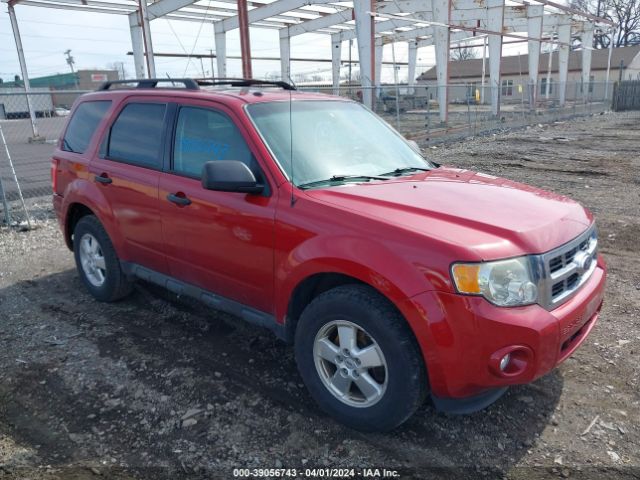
[[505, 283]]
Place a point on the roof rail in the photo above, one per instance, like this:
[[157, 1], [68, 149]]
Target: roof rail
[[189, 83], [243, 82]]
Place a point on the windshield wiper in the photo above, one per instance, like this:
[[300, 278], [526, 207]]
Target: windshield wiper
[[399, 171], [341, 178]]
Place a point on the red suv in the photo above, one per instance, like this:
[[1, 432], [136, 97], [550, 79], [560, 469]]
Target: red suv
[[307, 214]]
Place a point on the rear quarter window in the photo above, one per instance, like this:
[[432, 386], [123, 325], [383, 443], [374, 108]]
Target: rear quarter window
[[83, 125]]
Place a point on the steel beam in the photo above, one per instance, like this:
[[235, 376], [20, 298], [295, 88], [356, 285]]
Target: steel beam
[[245, 39], [396, 6], [587, 46], [534, 20], [454, 37], [342, 16], [441, 35], [378, 59], [220, 38], [413, 59], [379, 27], [400, 6], [336, 57], [266, 11], [163, 7], [564, 36], [285, 57], [79, 7], [514, 20], [364, 31], [576, 12], [138, 50], [146, 38], [495, 11], [23, 70]]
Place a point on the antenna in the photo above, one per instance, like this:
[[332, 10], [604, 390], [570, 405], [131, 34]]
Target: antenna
[[293, 198]]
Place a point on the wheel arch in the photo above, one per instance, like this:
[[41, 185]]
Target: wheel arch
[[83, 198], [75, 212], [311, 286]]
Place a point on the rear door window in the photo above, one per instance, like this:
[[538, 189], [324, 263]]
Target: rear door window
[[205, 135], [83, 125], [136, 135]]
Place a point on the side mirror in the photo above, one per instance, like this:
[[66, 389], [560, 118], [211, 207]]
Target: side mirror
[[229, 176]]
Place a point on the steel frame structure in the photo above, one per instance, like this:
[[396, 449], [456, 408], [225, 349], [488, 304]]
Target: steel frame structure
[[372, 23]]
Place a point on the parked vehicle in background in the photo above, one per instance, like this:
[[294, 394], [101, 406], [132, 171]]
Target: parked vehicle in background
[[13, 103], [392, 276], [62, 112]]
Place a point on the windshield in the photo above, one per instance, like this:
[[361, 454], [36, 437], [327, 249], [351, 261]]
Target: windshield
[[332, 140]]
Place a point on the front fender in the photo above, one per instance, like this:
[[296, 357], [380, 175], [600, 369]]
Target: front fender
[[83, 192], [364, 259]]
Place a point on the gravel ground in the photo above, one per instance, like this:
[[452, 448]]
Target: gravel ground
[[160, 387]]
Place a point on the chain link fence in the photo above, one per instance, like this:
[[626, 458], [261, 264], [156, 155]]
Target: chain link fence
[[27, 144], [413, 110]]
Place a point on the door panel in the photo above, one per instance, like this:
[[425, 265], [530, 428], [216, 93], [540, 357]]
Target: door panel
[[128, 171], [133, 197], [220, 241]]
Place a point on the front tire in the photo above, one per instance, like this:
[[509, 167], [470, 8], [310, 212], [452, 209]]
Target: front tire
[[359, 359], [97, 262]]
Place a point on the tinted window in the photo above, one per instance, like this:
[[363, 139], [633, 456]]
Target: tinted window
[[136, 136], [83, 125], [204, 135]]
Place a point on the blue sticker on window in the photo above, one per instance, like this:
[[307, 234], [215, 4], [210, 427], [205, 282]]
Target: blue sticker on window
[[216, 150]]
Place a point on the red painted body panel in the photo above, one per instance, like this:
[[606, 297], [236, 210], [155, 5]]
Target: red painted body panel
[[459, 334], [399, 236]]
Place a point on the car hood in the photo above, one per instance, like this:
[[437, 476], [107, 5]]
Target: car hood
[[490, 216]]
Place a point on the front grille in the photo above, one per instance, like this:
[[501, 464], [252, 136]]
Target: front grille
[[567, 268]]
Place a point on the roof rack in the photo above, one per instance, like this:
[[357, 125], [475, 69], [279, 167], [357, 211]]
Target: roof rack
[[194, 84], [243, 82], [189, 83]]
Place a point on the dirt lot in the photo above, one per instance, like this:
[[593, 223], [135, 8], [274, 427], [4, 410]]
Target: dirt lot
[[158, 387]]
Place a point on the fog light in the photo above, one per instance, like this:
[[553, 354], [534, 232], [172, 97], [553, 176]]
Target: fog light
[[511, 361], [504, 362]]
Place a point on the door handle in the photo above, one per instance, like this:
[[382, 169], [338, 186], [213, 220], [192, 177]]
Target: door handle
[[104, 178], [178, 200]]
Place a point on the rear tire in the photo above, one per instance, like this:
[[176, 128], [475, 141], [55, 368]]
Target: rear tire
[[377, 382], [97, 262]]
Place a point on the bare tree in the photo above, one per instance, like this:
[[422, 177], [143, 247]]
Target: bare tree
[[463, 53], [625, 13]]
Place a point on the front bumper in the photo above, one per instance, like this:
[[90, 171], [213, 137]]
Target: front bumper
[[461, 337]]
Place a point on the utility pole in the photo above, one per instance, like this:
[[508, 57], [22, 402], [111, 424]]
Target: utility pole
[[71, 62]]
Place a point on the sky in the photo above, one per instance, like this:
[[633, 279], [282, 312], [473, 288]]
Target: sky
[[98, 40]]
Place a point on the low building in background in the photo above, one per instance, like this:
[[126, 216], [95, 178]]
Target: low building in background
[[80, 80], [465, 76]]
